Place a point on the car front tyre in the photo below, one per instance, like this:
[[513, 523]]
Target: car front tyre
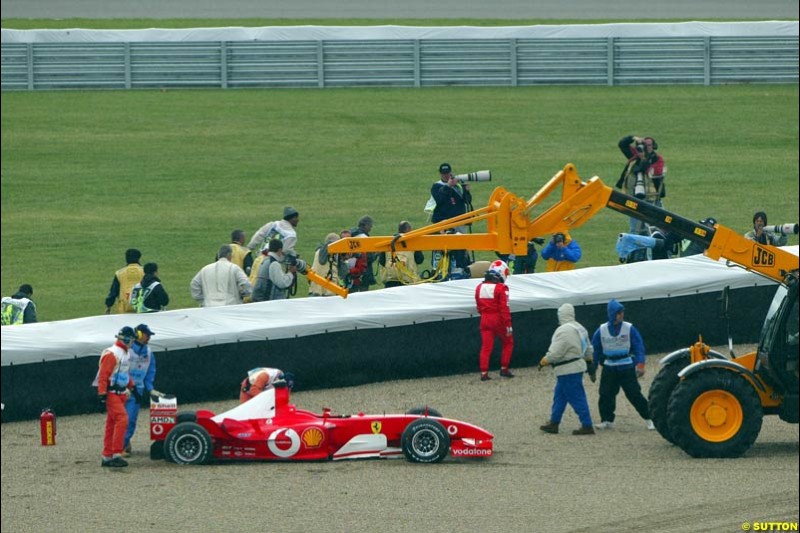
[[425, 441]]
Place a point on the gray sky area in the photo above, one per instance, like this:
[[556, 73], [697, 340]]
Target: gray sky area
[[392, 9]]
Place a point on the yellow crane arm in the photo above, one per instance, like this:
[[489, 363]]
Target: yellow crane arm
[[512, 222]]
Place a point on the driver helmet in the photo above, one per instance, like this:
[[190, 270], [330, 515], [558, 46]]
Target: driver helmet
[[499, 269], [289, 378]]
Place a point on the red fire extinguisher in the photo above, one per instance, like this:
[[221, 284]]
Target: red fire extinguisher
[[47, 424]]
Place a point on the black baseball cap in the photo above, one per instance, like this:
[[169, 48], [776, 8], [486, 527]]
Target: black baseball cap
[[444, 168], [144, 329]]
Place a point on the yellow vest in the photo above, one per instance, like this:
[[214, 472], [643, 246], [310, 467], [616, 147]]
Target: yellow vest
[[323, 270], [404, 269], [254, 269], [128, 277], [559, 266], [239, 253]]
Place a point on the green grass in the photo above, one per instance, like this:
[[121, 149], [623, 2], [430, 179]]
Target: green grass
[[86, 175]]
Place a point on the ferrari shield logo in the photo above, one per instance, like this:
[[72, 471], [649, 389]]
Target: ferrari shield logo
[[376, 427]]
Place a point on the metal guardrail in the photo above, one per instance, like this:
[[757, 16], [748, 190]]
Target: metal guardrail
[[401, 63]]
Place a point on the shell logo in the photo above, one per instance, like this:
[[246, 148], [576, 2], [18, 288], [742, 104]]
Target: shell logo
[[312, 437]]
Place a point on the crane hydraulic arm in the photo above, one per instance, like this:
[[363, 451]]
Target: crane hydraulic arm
[[512, 221]]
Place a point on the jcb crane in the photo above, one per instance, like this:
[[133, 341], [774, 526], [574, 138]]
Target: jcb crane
[[709, 405]]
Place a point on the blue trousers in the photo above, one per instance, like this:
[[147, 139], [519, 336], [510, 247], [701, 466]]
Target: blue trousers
[[569, 390], [132, 407]]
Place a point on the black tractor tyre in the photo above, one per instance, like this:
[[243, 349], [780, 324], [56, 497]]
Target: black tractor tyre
[[425, 441], [424, 409], [660, 390], [736, 393], [188, 443]]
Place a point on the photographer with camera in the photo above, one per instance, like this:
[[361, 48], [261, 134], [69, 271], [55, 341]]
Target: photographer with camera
[[326, 265], [276, 273], [657, 172], [562, 252], [775, 235], [643, 174], [361, 275], [400, 268], [451, 196]]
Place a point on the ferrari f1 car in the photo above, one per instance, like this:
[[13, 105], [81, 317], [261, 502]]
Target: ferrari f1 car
[[269, 428]]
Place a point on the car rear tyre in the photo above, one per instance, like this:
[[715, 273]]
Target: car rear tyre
[[660, 390], [188, 443], [424, 410], [188, 416], [715, 413], [425, 441], [157, 450]]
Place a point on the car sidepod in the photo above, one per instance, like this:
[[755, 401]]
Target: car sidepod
[[270, 439]]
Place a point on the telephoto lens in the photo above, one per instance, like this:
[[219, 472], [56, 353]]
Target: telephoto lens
[[783, 229], [638, 187], [481, 175]]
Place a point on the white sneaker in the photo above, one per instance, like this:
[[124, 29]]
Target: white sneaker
[[650, 424], [605, 425]]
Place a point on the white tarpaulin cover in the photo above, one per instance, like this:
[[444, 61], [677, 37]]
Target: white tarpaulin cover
[[190, 328], [336, 33]]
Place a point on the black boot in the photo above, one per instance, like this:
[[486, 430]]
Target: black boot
[[550, 427]]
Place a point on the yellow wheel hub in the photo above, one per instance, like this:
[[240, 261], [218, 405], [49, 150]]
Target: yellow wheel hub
[[716, 416]]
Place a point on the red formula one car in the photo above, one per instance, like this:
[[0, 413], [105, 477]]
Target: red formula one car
[[269, 428]]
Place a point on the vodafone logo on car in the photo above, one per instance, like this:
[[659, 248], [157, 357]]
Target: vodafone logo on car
[[470, 452], [283, 442]]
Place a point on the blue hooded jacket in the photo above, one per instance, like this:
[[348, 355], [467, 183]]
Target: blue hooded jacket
[[571, 252], [143, 379], [637, 344]]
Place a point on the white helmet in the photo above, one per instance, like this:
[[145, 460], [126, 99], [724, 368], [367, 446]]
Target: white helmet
[[499, 269]]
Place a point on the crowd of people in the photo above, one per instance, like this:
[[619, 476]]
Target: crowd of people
[[266, 268]]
